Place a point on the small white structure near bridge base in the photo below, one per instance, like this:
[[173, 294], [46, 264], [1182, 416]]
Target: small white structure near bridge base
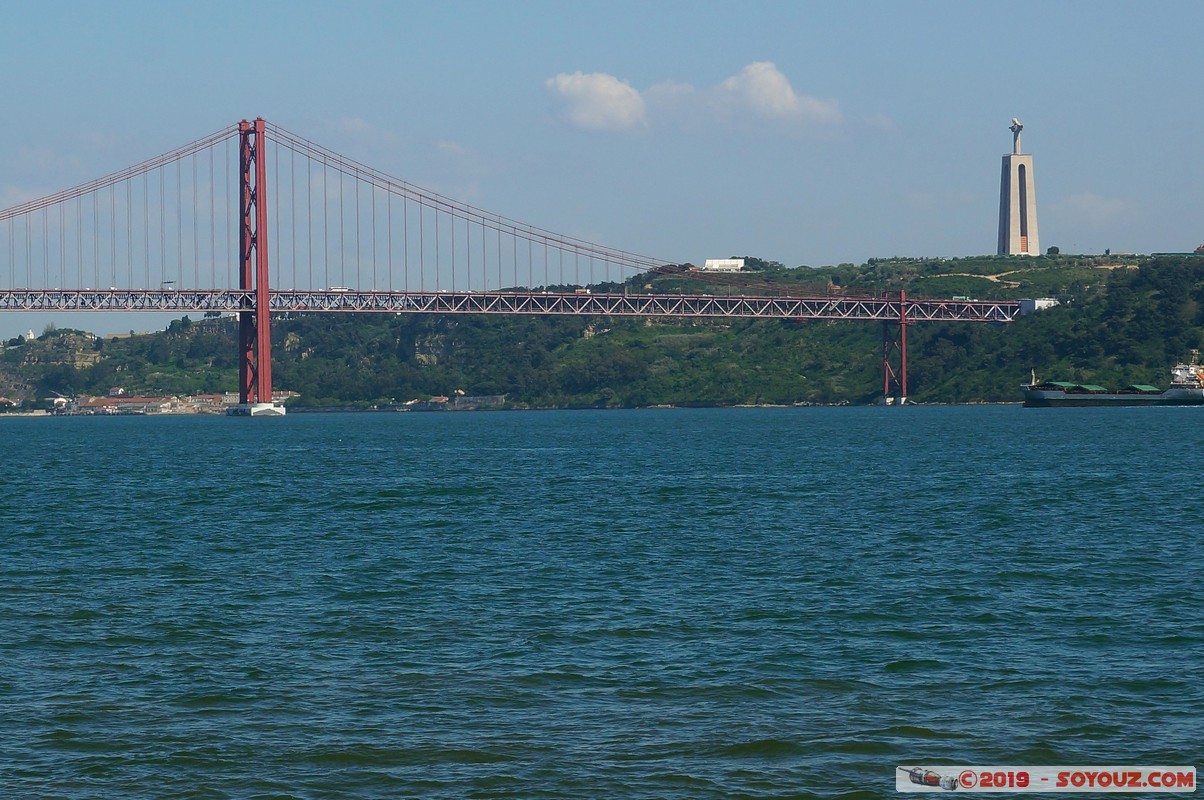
[[256, 410], [723, 265], [1039, 304]]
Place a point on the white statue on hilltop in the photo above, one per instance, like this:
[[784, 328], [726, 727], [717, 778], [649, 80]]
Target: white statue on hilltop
[[1016, 127]]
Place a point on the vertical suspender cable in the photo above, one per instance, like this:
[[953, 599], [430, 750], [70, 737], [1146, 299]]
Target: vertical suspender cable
[[230, 218], [79, 240], [62, 271], [309, 216], [212, 226], [196, 237], [342, 245], [358, 272], [292, 192], [405, 243], [179, 226], [275, 264], [162, 228], [389, 224], [276, 183], [325, 221], [129, 234], [113, 232], [325, 224], [96, 237], [373, 190], [146, 228]]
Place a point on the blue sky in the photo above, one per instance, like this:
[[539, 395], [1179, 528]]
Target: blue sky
[[806, 133]]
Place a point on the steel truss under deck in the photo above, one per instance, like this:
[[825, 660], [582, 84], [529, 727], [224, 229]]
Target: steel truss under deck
[[834, 307]]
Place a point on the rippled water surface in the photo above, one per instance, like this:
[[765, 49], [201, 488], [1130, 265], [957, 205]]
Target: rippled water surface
[[758, 603]]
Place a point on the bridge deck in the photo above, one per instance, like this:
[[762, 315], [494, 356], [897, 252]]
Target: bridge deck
[[839, 307]]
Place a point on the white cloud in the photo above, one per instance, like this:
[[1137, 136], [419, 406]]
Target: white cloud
[[762, 89], [598, 101]]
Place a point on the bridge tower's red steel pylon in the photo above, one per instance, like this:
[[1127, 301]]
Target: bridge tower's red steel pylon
[[254, 326], [894, 339]]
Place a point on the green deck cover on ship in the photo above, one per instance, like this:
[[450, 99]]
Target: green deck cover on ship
[[1091, 387]]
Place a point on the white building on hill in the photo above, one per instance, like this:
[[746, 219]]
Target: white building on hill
[[723, 265]]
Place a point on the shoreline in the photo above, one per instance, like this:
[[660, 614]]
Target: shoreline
[[43, 414]]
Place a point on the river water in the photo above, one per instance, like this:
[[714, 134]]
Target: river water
[[756, 603]]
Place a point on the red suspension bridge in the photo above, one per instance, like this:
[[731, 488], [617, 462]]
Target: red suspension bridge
[[189, 231]]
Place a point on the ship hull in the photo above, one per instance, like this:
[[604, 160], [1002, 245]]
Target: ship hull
[[1047, 398]]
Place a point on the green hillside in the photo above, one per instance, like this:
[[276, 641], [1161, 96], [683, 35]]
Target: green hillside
[[1121, 320]]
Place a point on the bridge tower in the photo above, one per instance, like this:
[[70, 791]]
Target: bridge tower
[[894, 340], [254, 325]]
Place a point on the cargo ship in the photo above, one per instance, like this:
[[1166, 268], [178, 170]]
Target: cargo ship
[[1186, 389]]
